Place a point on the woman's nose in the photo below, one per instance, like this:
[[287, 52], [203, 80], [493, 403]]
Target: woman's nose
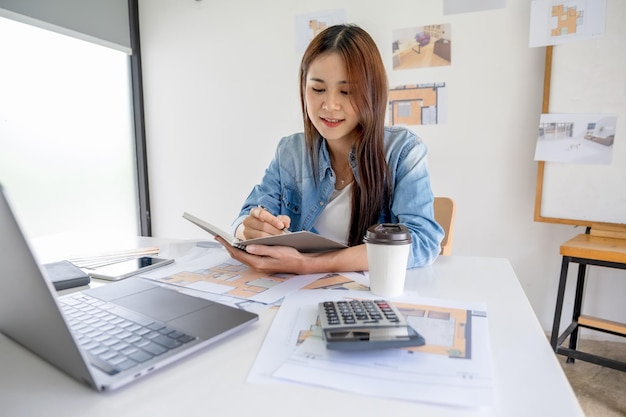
[[330, 103]]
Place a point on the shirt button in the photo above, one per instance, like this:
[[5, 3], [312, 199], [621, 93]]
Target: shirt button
[[321, 203]]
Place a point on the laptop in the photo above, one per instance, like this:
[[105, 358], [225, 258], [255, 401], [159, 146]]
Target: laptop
[[105, 337]]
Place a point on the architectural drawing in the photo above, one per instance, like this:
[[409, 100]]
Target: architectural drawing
[[567, 19], [461, 361], [447, 330], [308, 25], [316, 27], [554, 22], [336, 281], [235, 280], [418, 104]]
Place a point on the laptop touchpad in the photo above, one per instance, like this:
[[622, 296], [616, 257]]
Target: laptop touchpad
[[162, 304]]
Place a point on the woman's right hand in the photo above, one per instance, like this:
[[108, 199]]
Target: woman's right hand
[[261, 222]]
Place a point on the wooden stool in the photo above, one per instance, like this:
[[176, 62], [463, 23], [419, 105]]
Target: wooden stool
[[601, 246]]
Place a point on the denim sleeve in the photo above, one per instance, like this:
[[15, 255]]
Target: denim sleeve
[[412, 202], [266, 193]]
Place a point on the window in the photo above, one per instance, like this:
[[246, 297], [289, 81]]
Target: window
[[67, 150]]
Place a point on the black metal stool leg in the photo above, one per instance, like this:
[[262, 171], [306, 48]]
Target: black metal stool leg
[[559, 303], [578, 302]]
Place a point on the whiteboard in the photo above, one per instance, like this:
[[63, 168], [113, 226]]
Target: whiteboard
[[588, 77]]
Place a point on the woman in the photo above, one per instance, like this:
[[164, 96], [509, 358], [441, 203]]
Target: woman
[[345, 172]]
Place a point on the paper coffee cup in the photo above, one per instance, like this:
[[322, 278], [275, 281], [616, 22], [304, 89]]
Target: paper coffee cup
[[388, 247]]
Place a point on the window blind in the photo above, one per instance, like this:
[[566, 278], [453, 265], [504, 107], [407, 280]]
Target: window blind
[[100, 21]]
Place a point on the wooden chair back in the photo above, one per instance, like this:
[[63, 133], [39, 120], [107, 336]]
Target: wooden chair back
[[445, 209]]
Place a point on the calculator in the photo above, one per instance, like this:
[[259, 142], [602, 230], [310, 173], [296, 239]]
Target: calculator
[[365, 324]]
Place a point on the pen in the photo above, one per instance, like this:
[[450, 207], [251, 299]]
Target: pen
[[286, 230]]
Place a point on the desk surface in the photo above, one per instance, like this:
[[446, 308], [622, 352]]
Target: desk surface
[[529, 380]]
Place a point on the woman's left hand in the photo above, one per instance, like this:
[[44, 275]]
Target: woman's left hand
[[269, 259]]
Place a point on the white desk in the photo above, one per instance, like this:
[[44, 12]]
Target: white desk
[[528, 377]]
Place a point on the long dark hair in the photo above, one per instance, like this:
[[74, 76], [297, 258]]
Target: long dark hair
[[368, 94]]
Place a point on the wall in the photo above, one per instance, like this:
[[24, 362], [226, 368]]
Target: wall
[[220, 84]]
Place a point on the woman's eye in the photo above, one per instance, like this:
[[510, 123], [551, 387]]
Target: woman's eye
[[345, 93], [317, 90]]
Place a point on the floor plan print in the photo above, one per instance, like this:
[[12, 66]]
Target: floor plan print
[[457, 354], [567, 19], [229, 278], [335, 281], [447, 330], [418, 104], [554, 22]]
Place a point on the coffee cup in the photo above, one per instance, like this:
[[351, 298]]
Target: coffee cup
[[388, 246]]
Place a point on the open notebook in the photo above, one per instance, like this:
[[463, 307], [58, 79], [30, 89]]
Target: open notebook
[[303, 241]]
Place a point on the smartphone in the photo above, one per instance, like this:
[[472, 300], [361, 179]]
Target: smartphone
[[125, 269]]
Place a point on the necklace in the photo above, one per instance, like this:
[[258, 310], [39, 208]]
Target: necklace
[[345, 179], [342, 170]]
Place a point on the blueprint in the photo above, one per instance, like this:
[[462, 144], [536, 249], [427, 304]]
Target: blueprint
[[454, 368]]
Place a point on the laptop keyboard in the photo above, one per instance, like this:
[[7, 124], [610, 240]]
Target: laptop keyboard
[[116, 339]]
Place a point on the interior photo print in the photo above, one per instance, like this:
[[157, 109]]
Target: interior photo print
[[422, 47]]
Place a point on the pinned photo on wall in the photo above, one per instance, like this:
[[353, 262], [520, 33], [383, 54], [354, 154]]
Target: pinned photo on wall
[[422, 47], [418, 104], [310, 24], [576, 138], [558, 22]]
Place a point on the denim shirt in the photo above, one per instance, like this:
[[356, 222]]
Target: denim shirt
[[289, 188]]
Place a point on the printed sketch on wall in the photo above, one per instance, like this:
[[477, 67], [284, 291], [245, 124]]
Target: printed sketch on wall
[[554, 22], [576, 138], [418, 104], [421, 47], [310, 24]]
